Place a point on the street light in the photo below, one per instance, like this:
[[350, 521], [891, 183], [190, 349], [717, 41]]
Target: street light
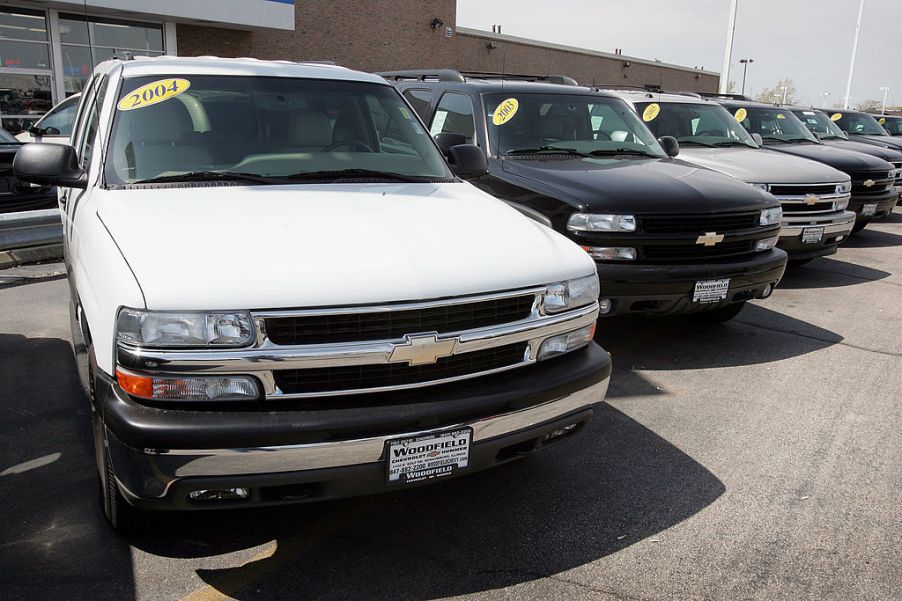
[[824, 99], [745, 62], [884, 90], [784, 93]]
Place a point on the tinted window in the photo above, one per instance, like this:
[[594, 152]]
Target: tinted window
[[858, 124], [419, 100], [694, 124], [774, 124], [819, 123], [893, 125], [454, 115], [61, 118]]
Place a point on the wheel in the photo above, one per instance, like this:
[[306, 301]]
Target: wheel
[[719, 315], [799, 262], [859, 225]]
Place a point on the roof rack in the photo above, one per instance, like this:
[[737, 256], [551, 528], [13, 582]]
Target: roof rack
[[650, 88], [728, 96], [453, 75], [561, 80], [123, 55], [423, 75]]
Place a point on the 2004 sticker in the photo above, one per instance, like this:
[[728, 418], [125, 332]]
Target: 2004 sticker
[[836, 116], [651, 112], [741, 114], [153, 93], [505, 111], [882, 121]]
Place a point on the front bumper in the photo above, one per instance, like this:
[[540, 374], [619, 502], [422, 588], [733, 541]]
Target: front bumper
[[654, 289], [283, 456], [884, 205], [836, 230]]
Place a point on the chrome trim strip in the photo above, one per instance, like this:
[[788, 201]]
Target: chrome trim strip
[[835, 227], [800, 199]]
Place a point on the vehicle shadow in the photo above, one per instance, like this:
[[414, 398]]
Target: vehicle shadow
[[55, 543], [572, 504], [870, 238], [830, 273]]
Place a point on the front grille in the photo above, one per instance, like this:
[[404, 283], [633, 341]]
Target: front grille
[[335, 379], [391, 325], [803, 190], [673, 253], [898, 167], [882, 182], [800, 207], [697, 224]]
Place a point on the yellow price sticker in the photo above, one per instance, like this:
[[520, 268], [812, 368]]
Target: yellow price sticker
[[882, 121], [153, 93], [651, 112], [741, 114], [781, 116], [836, 116], [505, 111]]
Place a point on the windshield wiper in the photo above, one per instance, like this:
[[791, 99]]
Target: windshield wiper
[[209, 176], [614, 151], [694, 143], [331, 175], [538, 149], [727, 143]]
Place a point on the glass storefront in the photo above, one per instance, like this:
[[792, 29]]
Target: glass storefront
[[29, 81]]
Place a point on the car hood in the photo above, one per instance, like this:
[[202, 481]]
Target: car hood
[[756, 166], [635, 185], [261, 247], [890, 141], [838, 158], [887, 154]]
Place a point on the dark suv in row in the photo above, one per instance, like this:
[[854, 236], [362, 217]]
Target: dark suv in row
[[667, 237]]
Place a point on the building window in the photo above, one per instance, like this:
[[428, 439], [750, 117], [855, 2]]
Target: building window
[[25, 74]]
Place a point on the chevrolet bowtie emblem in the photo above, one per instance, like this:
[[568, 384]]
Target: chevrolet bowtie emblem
[[812, 199], [422, 349], [710, 239], [868, 183]]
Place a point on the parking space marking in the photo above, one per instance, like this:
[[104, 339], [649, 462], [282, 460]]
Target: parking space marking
[[25, 466]]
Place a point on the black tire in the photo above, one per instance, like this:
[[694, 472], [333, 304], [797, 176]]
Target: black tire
[[859, 225], [799, 262], [719, 315]]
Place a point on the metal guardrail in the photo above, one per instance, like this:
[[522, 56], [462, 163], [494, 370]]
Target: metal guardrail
[[29, 229]]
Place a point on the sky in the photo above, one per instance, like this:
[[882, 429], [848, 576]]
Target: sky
[[808, 41]]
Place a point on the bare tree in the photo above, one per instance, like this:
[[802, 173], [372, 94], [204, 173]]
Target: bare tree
[[784, 91]]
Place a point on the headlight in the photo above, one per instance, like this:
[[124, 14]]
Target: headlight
[[189, 388], [611, 253], [893, 173], [844, 188], [564, 343], [839, 205], [571, 294], [765, 187], [591, 222], [766, 244], [162, 329], [771, 216]]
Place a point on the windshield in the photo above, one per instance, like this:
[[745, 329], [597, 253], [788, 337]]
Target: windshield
[[773, 124], [203, 127], [819, 123], [893, 125], [58, 122], [581, 123], [694, 124], [858, 124], [7, 138]]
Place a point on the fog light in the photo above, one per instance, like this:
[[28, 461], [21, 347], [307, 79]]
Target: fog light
[[767, 291], [605, 305], [564, 343], [611, 253], [840, 238], [560, 432], [766, 244], [225, 494]]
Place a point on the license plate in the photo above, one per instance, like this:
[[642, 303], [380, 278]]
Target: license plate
[[812, 235], [869, 209], [710, 291], [427, 457]]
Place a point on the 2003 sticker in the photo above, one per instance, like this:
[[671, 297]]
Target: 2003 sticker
[[836, 116], [153, 93], [651, 112], [741, 114], [505, 111]]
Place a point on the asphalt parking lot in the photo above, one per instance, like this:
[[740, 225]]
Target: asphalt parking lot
[[760, 459]]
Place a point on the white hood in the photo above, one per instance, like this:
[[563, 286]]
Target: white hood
[[757, 166], [262, 247]]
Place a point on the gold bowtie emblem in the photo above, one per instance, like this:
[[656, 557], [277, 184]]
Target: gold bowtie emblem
[[423, 349], [868, 183], [811, 199], [710, 239]]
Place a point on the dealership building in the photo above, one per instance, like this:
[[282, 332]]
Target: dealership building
[[48, 49]]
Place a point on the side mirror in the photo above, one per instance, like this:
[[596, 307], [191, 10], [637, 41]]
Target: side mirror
[[468, 161], [670, 145], [758, 139], [49, 165], [448, 141]]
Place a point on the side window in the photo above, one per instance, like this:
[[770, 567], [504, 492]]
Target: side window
[[85, 146], [59, 121], [454, 115], [419, 100]]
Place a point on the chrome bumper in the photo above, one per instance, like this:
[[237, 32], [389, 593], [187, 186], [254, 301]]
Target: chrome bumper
[[793, 226], [164, 467]]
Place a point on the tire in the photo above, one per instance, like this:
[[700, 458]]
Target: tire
[[858, 227], [719, 315]]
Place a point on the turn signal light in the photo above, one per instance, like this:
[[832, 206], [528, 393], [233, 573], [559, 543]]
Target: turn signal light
[[141, 386]]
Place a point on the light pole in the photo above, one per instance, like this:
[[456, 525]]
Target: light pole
[[728, 52], [824, 99], [854, 52], [784, 88], [884, 90], [745, 62]]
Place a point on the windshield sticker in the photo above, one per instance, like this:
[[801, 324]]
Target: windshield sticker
[[438, 123], [741, 114], [505, 111], [651, 112], [808, 113], [404, 112], [781, 116], [153, 93], [882, 121], [836, 116]]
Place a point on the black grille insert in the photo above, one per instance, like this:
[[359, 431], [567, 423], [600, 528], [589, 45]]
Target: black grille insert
[[818, 207], [392, 325], [335, 379], [697, 224], [819, 189], [691, 252]]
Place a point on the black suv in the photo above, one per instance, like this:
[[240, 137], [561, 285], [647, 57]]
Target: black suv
[[892, 124], [864, 127], [873, 179], [668, 237]]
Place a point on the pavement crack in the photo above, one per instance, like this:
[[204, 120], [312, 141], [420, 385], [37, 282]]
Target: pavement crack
[[818, 338]]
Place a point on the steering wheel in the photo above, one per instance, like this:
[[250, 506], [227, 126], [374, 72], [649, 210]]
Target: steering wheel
[[708, 132], [354, 143]]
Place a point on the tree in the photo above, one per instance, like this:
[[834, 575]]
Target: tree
[[870, 105], [776, 93], [731, 87]]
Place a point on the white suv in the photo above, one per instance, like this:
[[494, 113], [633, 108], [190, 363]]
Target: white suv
[[282, 293]]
